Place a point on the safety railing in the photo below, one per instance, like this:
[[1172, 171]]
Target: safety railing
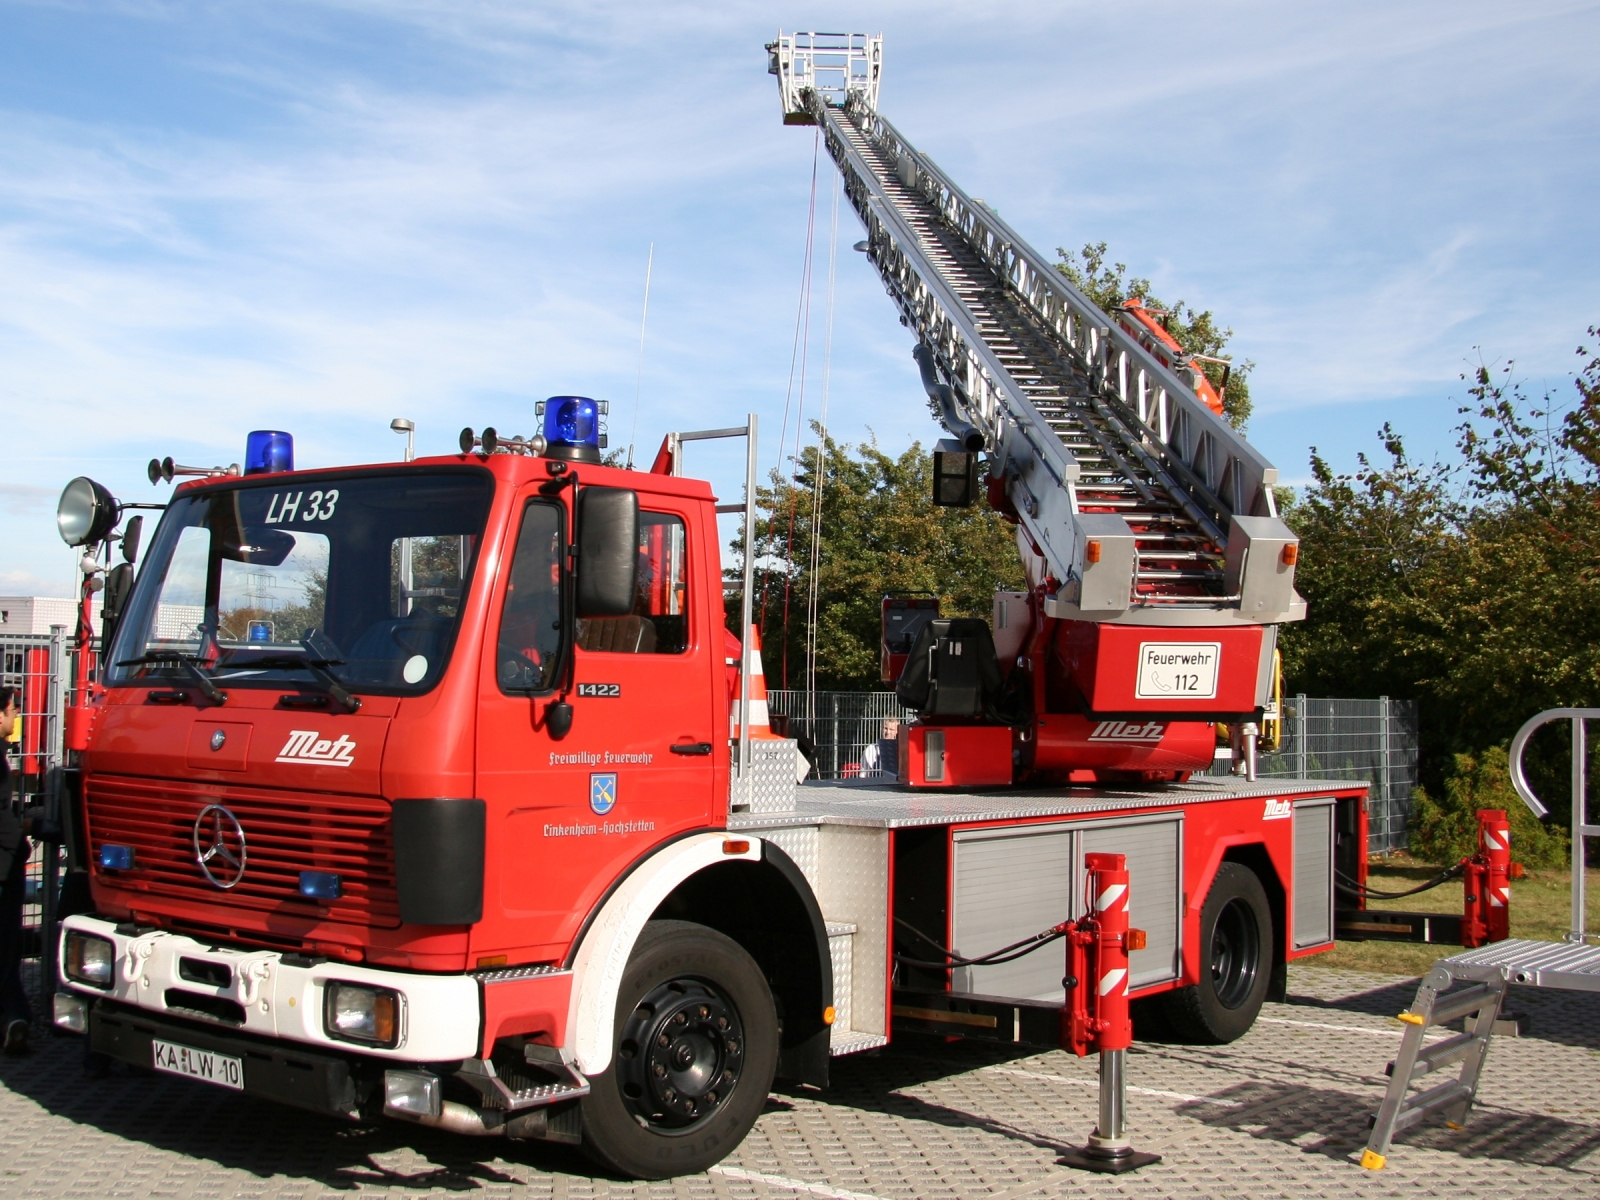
[[1581, 829]]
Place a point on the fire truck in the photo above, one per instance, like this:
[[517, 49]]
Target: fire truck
[[426, 789]]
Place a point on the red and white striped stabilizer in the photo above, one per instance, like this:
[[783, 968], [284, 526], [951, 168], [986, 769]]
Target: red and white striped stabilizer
[[1108, 889], [1494, 845]]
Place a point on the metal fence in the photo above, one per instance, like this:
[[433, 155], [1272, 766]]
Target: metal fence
[[35, 665], [1370, 740], [841, 724]]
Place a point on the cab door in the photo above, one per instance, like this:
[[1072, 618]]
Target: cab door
[[568, 815]]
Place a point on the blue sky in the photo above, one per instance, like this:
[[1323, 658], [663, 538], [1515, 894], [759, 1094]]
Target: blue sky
[[318, 216]]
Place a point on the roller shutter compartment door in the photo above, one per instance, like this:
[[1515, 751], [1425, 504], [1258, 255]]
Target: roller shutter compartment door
[[1313, 872], [1009, 884], [1155, 890]]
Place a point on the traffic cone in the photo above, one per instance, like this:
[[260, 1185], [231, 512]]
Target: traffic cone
[[760, 721]]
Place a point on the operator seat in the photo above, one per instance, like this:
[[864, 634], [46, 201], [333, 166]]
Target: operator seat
[[953, 670]]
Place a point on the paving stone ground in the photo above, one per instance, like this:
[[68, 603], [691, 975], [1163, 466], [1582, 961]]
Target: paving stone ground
[[1282, 1112]]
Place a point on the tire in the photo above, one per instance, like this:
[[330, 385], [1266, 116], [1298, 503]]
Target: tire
[[1236, 954], [696, 1045]]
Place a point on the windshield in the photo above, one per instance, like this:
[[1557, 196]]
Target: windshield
[[362, 578]]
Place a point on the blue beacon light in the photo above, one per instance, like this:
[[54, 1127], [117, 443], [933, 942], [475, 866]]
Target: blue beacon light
[[572, 428], [268, 451]]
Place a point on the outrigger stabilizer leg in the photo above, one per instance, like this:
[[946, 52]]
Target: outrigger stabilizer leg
[[1097, 978]]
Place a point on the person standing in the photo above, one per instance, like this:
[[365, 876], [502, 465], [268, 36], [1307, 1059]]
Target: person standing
[[883, 756], [15, 1013]]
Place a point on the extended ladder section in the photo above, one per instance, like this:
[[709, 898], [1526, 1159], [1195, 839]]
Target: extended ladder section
[[1146, 507]]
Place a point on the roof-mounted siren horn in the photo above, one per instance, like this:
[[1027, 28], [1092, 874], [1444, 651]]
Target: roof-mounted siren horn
[[490, 442], [825, 69], [162, 470], [573, 428]]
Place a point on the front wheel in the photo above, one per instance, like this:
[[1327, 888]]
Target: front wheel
[[1235, 962], [696, 1045]]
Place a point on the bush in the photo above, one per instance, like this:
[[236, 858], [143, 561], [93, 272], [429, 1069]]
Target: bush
[[1446, 830]]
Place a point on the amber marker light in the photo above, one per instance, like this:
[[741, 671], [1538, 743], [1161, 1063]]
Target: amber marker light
[[735, 846], [1091, 551], [1291, 553]]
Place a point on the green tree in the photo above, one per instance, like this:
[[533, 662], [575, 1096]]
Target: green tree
[[1198, 333], [879, 534], [1446, 829], [1472, 585]]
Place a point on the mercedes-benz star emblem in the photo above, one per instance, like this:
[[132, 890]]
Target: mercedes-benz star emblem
[[219, 847]]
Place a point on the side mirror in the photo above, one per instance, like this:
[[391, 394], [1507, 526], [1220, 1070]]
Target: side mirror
[[119, 582], [130, 539], [608, 551]]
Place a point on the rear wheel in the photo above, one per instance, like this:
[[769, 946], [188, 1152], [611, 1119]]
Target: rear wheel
[[695, 1051], [1235, 962]]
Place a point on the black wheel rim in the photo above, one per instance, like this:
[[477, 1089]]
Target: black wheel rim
[[680, 1055], [1235, 954]]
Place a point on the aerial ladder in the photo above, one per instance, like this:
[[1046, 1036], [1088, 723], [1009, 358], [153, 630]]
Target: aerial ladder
[[1157, 564]]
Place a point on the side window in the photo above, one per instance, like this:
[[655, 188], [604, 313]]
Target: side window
[[659, 623], [530, 624], [662, 582]]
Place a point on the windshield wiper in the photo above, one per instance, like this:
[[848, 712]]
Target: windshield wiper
[[189, 662], [317, 666]]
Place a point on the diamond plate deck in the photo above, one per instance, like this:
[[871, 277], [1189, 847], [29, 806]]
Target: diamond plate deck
[[894, 806]]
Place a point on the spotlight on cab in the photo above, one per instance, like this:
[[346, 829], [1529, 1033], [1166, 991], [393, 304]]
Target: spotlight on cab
[[87, 513]]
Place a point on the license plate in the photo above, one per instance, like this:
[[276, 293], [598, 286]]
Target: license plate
[[208, 1065]]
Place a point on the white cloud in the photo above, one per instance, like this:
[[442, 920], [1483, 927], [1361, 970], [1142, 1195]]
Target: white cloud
[[322, 215]]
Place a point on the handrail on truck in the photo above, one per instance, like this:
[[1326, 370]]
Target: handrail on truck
[[674, 450], [1581, 829]]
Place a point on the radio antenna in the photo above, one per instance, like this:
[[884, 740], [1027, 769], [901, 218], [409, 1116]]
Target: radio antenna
[[638, 381]]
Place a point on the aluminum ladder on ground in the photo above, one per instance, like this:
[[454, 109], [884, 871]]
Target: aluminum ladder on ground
[[1402, 1107]]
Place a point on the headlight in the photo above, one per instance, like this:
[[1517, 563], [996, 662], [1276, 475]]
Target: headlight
[[354, 1012], [89, 959]]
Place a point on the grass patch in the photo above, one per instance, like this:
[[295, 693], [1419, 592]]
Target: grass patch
[[1541, 909]]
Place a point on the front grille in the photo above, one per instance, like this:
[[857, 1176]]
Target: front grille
[[287, 833]]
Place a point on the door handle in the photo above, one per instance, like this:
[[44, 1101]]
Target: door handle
[[691, 748]]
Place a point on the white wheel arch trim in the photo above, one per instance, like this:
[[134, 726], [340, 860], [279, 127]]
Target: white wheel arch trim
[[603, 955]]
